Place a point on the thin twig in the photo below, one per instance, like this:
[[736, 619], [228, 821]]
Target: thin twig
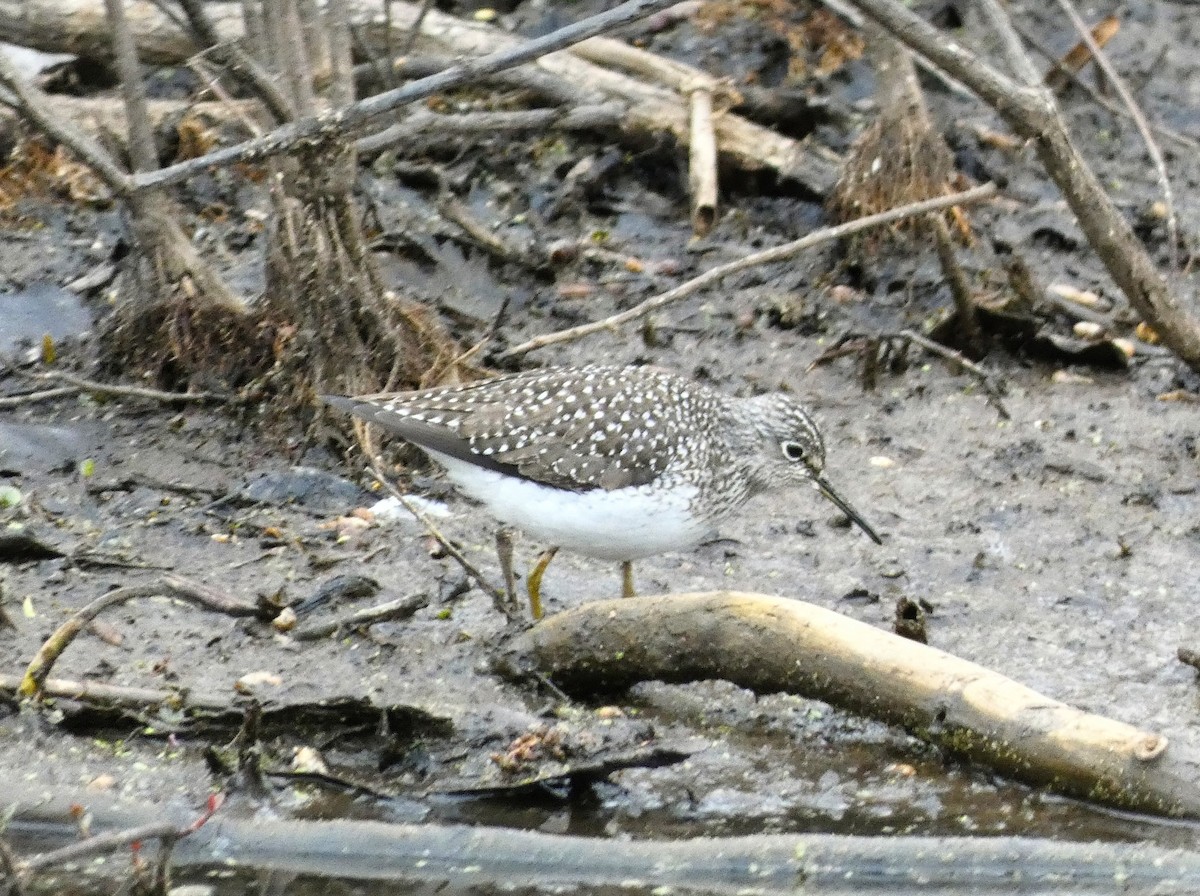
[[679, 76], [78, 383], [993, 391], [767, 256], [211, 79], [1081, 83], [534, 80], [193, 592], [425, 124], [124, 696], [243, 66], [1152, 149], [960, 289], [12, 401], [400, 608], [1001, 30], [167, 832], [453, 210], [431, 527], [414, 32]]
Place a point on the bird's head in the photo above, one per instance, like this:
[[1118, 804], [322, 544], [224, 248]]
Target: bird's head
[[790, 451]]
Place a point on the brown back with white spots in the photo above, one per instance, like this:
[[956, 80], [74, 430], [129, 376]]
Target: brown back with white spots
[[576, 428]]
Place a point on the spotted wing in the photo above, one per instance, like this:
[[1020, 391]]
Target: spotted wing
[[573, 428]]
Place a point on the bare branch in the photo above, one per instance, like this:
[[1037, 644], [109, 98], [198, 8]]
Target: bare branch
[[1135, 112], [1032, 114], [133, 89], [351, 118], [767, 256]]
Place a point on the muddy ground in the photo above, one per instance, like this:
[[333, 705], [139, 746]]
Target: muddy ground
[[1058, 547]]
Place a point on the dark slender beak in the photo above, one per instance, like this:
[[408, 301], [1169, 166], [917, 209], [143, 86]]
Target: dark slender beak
[[844, 506]]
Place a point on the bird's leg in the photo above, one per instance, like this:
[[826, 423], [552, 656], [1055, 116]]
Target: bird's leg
[[534, 582], [627, 589], [504, 552]]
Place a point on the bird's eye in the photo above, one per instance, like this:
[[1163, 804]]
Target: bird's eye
[[794, 451]]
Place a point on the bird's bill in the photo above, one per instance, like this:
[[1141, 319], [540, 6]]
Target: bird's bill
[[844, 506]]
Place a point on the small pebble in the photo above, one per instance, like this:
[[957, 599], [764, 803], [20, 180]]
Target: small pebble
[[285, 621], [1068, 377]]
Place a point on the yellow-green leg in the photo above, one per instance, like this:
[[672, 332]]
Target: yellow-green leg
[[627, 579], [534, 583]]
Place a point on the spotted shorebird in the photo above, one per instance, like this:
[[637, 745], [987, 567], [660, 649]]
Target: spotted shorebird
[[616, 463]]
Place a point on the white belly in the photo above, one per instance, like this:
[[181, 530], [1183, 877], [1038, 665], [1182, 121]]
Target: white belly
[[619, 525]]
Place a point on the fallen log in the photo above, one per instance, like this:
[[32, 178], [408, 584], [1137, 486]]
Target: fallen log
[[471, 857], [773, 644]]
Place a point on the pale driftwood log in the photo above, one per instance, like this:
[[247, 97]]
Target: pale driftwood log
[[473, 857], [612, 53], [772, 644], [77, 27], [650, 108]]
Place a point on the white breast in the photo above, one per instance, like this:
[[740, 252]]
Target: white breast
[[624, 524]]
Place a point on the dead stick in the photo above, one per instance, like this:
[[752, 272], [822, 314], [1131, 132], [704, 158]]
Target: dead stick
[[12, 401], [423, 518], [98, 388], [37, 106], [994, 391], [100, 843], [40, 666], [702, 161], [960, 289], [400, 608], [767, 256], [96, 692], [1114, 78]]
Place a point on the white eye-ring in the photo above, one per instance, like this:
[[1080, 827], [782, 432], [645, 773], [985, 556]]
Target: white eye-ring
[[794, 451]]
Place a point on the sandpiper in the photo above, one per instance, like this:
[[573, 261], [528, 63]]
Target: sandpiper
[[616, 463]]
